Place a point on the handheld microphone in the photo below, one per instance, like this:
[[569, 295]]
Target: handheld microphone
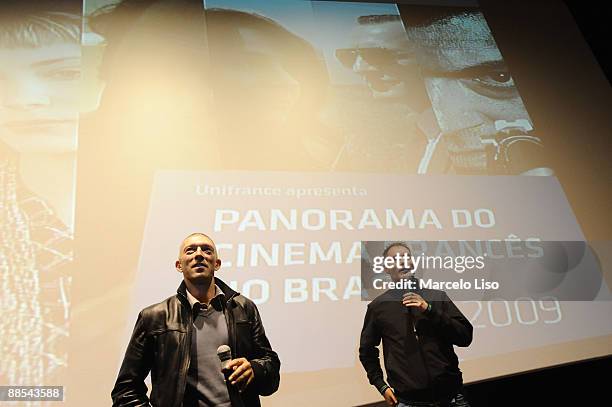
[[405, 291], [414, 283], [225, 356]]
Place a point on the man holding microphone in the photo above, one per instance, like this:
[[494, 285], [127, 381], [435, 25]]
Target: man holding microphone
[[418, 330], [182, 339]]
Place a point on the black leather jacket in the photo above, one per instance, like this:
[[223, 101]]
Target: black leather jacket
[[161, 341]]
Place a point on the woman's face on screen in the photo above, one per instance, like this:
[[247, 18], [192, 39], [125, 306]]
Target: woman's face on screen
[[253, 70], [39, 97]]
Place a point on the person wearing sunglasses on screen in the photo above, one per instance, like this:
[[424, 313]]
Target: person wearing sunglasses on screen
[[384, 57]]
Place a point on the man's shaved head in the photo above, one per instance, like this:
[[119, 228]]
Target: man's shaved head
[[191, 235]]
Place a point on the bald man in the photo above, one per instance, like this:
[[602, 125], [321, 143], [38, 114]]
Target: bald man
[[177, 340]]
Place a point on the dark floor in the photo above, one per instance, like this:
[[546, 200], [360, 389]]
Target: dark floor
[[558, 386], [586, 383]]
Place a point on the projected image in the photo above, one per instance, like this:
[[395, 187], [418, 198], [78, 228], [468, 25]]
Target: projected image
[[40, 101], [330, 86], [152, 58], [484, 126], [269, 86], [382, 55], [378, 97], [357, 87]]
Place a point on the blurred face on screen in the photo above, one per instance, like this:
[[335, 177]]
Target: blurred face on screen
[[251, 71], [39, 97], [468, 82], [401, 273], [382, 56], [266, 76], [268, 84], [198, 259]]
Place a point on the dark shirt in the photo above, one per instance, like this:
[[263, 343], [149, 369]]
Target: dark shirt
[[420, 362], [206, 385]]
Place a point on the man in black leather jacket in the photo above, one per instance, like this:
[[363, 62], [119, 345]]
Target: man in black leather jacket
[[176, 340]]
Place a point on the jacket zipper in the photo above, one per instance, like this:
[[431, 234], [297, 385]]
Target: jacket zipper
[[231, 333], [187, 349], [231, 327], [429, 380]]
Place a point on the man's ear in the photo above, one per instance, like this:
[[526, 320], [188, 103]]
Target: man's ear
[[217, 264], [178, 266]]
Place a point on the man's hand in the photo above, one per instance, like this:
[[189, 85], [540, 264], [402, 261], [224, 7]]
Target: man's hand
[[390, 397], [242, 373], [415, 300]]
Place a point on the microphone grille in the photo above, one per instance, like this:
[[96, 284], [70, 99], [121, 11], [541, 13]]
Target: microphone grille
[[224, 352]]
